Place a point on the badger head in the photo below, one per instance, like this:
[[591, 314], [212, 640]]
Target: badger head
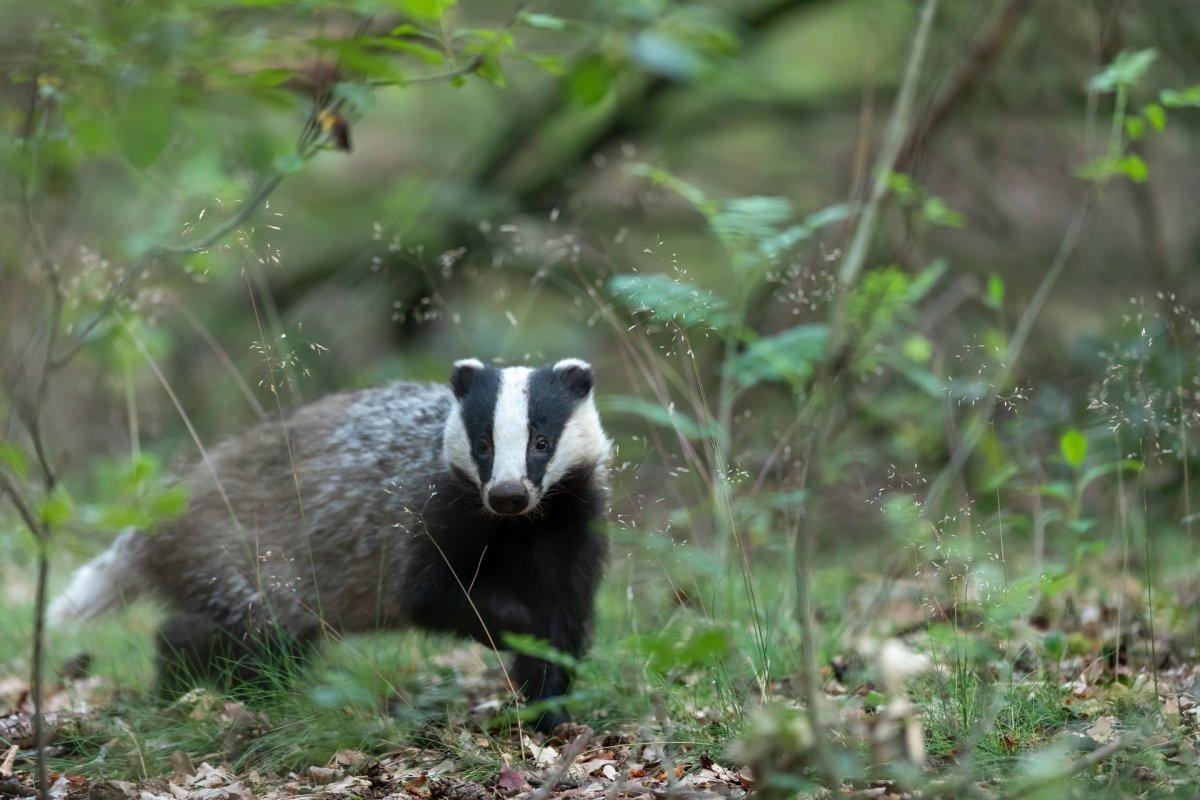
[[518, 432]]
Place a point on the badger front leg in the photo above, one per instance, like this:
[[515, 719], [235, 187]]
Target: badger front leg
[[562, 619], [490, 612]]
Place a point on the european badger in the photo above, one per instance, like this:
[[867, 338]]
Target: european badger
[[469, 509]]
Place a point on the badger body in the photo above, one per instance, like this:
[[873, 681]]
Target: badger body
[[468, 509]]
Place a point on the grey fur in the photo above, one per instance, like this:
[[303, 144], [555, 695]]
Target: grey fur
[[320, 526]]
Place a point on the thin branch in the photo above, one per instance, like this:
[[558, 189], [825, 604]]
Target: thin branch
[[984, 53], [568, 758], [8, 488], [894, 139]]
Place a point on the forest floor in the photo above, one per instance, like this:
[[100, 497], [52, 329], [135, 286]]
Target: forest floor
[[1086, 695]]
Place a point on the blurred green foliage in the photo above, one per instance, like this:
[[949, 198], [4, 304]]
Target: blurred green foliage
[[248, 204]]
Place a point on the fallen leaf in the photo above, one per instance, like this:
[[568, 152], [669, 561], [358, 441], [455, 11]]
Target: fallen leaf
[[1102, 729], [511, 780], [6, 766], [543, 755]]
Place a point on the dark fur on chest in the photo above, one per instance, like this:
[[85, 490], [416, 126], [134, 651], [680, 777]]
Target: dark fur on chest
[[483, 576], [533, 574]]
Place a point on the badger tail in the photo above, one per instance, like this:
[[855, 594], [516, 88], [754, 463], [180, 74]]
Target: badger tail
[[103, 584]]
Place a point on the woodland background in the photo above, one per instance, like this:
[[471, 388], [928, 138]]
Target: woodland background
[[893, 312]]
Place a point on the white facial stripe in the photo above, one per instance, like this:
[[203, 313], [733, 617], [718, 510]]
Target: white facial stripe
[[456, 445], [581, 443], [510, 426]]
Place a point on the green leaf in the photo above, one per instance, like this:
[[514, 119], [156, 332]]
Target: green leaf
[[902, 187], [658, 415], [489, 70], [1135, 127], [686, 190], [144, 125], [422, 51], [1181, 98], [168, 504], [1099, 169], [1074, 447], [918, 349], [787, 356], [555, 65], [1155, 115], [428, 10], [14, 459], [591, 80], [743, 223], [545, 21], [269, 77], [994, 298], [936, 212], [1133, 167], [1125, 70], [774, 246], [56, 509], [359, 56], [667, 300]]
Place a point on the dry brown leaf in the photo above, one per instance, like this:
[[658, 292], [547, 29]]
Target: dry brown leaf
[[543, 754], [511, 780], [1103, 729], [6, 766]]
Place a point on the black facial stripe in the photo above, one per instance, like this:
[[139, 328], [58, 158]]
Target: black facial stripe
[[478, 411], [551, 403]]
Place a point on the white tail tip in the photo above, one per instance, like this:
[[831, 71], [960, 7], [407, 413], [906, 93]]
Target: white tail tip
[[99, 586]]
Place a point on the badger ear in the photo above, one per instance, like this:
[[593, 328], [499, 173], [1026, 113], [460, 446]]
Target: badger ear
[[464, 372], [576, 375]]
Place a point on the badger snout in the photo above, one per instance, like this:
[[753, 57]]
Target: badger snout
[[508, 497]]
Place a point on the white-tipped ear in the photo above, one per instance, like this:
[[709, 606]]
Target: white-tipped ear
[[577, 375], [463, 373]]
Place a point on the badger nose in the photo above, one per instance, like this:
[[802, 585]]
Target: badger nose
[[508, 497]]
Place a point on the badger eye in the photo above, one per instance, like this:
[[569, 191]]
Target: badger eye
[[541, 444], [483, 446]]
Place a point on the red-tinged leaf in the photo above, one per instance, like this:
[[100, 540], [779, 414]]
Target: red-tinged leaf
[[511, 780]]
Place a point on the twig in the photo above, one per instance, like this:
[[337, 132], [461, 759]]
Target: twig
[[983, 55], [568, 759], [898, 125]]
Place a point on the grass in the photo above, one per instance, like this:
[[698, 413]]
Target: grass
[[677, 668]]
